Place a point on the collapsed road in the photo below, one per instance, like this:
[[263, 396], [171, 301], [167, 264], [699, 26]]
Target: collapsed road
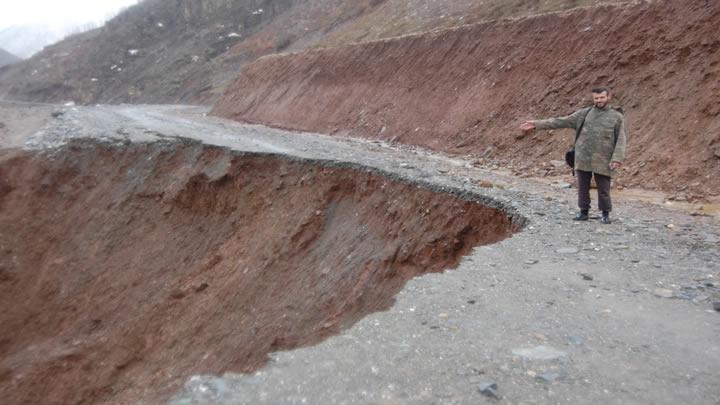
[[559, 312]]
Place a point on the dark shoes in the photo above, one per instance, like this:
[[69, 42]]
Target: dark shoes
[[581, 216]]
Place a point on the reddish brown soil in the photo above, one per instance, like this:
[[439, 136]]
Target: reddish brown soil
[[467, 90], [125, 269]]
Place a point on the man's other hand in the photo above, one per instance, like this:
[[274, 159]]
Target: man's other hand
[[527, 126], [615, 165]]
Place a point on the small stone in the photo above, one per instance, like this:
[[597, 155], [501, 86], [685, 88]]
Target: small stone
[[587, 276], [576, 340], [564, 185], [663, 293], [531, 261], [539, 353], [57, 113], [567, 250], [547, 377], [716, 306], [489, 390]]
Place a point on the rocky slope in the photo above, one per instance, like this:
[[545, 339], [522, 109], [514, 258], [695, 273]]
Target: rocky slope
[[467, 90], [153, 52]]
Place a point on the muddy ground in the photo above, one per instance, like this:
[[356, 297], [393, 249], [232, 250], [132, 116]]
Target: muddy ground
[[560, 312]]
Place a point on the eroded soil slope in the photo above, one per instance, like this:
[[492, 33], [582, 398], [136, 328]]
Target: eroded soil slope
[[467, 90], [126, 268]]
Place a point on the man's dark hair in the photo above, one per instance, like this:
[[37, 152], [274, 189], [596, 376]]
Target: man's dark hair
[[599, 90]]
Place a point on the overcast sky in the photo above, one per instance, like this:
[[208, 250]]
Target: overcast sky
[[22, 12]]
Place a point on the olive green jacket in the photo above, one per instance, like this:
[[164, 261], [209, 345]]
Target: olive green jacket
[[601, 141]]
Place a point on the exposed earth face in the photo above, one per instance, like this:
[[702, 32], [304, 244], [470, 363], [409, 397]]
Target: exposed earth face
[[126, 269]]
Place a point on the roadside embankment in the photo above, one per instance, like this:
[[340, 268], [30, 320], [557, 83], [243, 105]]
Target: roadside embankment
[[466, 90], [127, 268]]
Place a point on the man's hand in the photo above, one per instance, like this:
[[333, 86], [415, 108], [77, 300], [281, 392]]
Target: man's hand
[[527, 126], [615, 165]]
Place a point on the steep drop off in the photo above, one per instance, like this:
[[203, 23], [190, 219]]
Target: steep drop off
[[467, 90], [126, 269]]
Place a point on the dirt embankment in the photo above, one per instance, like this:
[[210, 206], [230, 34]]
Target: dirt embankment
[[467, 90], [125, 269]]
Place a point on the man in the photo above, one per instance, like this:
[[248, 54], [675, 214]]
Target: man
[[599, 148]]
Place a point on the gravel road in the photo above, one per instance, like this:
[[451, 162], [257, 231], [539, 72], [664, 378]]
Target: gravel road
[[562, 312]]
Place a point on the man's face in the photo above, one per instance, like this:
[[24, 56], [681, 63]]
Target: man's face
[[601, 99]]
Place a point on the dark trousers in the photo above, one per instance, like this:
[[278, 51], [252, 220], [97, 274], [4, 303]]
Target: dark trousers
[[603, 189]]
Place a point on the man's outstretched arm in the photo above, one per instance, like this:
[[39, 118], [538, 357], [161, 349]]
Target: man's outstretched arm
[[570, 121]]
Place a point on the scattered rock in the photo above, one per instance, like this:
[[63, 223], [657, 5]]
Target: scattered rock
[[531, 261], [489, 390], [57, 113], [539, 353], [716, 306], [587, 276], [663, 293], [576, 340], [548, 377], [564, 185]]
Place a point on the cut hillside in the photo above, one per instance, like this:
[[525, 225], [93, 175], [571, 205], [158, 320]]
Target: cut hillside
[[189, 51], [6, 58], [466, 90]]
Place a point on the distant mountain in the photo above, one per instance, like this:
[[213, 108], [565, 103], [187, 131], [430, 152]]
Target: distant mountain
[[6, 58], [26, 40]]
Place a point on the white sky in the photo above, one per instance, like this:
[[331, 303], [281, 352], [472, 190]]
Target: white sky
[[22, 12]]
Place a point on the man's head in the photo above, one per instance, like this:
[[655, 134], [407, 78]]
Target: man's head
[[601, 96]]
